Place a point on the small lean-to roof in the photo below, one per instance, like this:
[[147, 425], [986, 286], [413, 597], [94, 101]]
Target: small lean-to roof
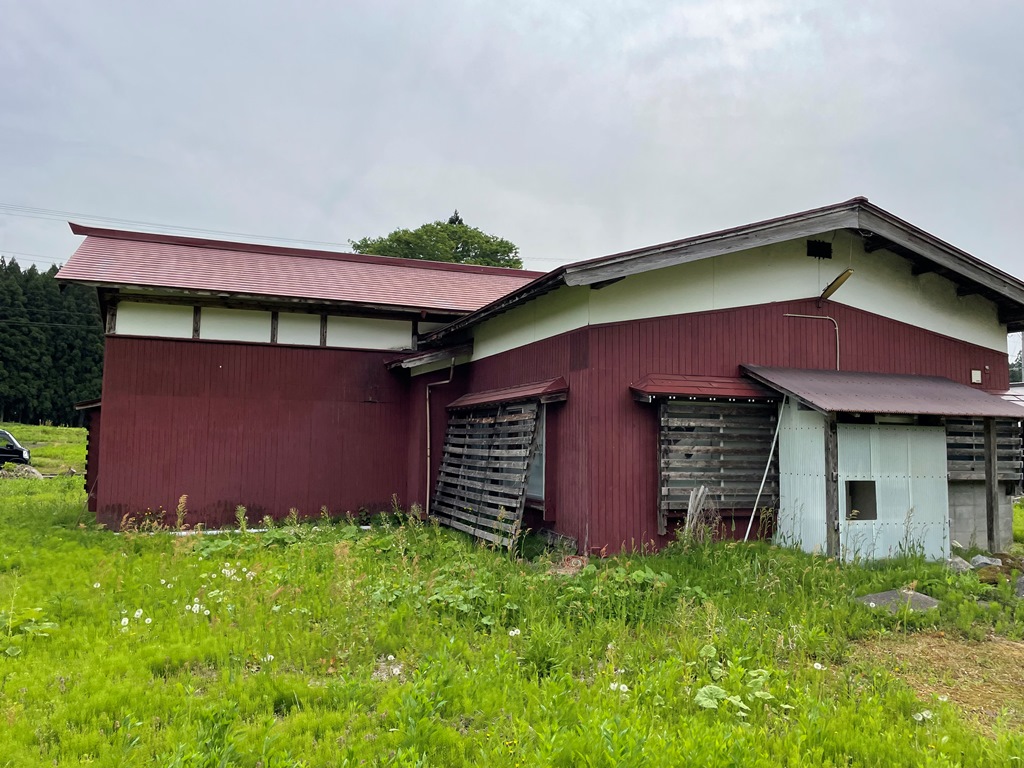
[[703, 387], [879, 229], [116, 258], [885, 393], [547, 391]]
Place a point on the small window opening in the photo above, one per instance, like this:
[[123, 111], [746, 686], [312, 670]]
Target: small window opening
[[861, 500]]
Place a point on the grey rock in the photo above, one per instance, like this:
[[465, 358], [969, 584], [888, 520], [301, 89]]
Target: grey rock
[[957, 564], [980, 561], [895, 600]]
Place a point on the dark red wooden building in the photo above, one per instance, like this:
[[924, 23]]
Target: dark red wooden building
[[838, 370]]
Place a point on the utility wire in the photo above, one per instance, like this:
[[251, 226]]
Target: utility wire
[[50, 214], [48, 325]]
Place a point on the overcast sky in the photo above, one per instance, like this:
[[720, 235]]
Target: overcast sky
[[574, 129]]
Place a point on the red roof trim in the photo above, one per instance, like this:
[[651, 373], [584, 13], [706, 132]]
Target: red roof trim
[[550, 390], [278, 250], [711, 387]]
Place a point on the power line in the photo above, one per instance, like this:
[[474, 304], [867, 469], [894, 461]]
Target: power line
[[49, 325], [51, 214]]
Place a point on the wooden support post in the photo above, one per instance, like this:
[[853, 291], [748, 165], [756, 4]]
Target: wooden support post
[[197, 317], [991, 482], [111, 324], [831, 485]]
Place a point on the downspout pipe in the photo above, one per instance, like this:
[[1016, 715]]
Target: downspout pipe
[[764, 477], [426, 489]]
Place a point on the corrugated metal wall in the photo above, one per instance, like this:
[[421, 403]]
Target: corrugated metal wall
[[272, 427], [801, 515], [603, 477], [908, 466], [267, 427]]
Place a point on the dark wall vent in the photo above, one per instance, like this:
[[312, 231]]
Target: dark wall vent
[[819, 249]]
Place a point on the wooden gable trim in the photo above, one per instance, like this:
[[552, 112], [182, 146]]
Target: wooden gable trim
[[698, 249]]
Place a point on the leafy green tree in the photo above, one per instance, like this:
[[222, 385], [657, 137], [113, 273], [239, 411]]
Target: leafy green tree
[[1016, 369], [451, 241]]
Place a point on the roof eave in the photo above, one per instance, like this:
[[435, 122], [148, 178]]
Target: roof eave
[[179, 292], [540, 286]]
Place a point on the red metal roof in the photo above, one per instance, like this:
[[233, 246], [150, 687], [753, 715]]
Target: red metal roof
[[856, 392], [118, 258], [546, 391], [683, 385]]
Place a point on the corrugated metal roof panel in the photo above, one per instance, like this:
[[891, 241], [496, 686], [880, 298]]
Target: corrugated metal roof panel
[[669, 384], [858, 392], [550, 389], [158, 261]]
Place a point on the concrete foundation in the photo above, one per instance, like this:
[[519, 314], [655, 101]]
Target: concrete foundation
[[967, 518]]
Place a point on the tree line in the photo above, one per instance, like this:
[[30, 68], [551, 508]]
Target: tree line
[[51, 346]]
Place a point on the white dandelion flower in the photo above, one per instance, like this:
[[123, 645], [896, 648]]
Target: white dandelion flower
[[138, 613], [206, 612], [124, 622], [820, 667], [96, 585], [149, 620], [390, 657]]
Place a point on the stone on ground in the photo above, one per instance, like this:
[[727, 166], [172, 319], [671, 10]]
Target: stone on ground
[[895, 600], [957, 564], [980, 561]]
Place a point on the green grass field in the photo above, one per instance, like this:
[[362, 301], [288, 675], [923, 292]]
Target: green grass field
[[54, 449], [322, 644]]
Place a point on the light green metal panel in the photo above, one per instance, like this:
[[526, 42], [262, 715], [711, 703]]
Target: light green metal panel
[[908, 466], [801, 518]]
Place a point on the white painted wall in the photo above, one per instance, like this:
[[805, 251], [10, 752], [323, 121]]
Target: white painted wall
[[172, 321], [295, 328], [801, 515], [908, 467], [562, 310], [369, 333], [882, 283], [234, 325]]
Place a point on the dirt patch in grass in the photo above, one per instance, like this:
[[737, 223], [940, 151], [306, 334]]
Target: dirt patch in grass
[[984, 679]]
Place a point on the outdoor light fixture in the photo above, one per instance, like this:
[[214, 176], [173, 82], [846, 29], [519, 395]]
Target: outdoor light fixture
[[834, 286]]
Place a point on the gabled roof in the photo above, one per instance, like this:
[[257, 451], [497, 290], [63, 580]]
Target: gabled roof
[[879, 228], [116, 258]]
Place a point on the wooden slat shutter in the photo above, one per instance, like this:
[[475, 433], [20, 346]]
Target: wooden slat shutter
[[965, 449], [723, 446], [481, 487]]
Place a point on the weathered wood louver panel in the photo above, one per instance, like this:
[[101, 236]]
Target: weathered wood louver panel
[[723, 446], [481, 487], [965, 449]]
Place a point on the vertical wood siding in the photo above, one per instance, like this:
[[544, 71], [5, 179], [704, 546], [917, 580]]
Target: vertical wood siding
[[266, 427]]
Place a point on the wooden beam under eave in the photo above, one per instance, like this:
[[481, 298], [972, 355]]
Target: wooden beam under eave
[[875, 243], [967, 290]]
